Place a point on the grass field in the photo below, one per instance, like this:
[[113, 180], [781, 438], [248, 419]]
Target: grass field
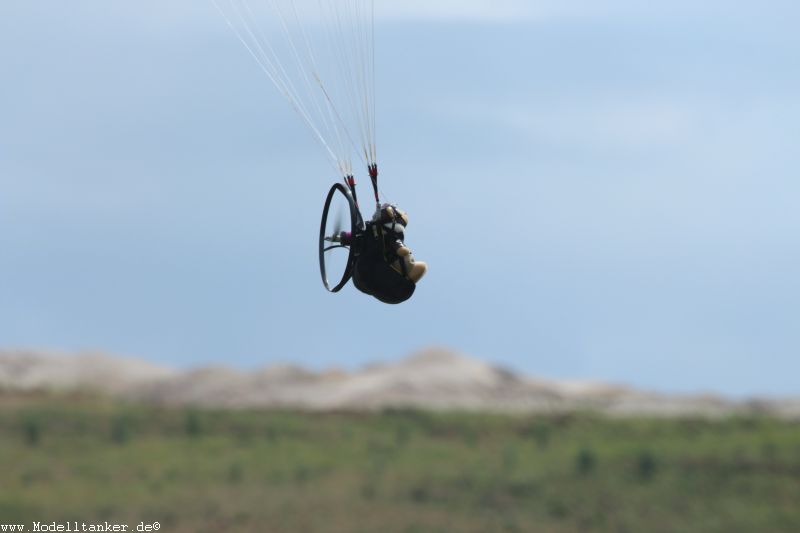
[[94, 460]]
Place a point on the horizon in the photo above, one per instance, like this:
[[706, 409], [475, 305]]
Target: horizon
[[422, 353]]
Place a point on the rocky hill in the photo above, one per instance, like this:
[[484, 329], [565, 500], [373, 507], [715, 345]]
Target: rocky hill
[[435, 378]]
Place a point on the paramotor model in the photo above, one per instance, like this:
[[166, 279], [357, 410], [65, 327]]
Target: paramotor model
[[372, 253], [320, 54]]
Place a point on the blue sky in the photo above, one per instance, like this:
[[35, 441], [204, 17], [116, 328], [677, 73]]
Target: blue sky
[[601, 189]]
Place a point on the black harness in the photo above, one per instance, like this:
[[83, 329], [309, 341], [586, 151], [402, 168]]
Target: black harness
[[374, 272]]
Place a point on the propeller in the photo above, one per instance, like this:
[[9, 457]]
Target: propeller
[[337, 227]]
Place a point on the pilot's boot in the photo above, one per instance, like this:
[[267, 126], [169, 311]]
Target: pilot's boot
[[416, 270]]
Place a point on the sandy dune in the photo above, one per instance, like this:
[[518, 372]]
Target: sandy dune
[[435, 378]]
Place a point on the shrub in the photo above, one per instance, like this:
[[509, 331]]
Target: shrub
[[646, 465], [120, 430], [585, 461], [31, 431], [192, 424]]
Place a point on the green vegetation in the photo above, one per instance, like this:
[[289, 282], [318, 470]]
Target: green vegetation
[[92, 459]]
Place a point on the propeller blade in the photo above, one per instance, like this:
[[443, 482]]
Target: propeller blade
[[337, 227]]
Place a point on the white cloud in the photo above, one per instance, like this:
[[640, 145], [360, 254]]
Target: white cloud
[[526, 10], [622, 123], [501, 10], [494, 10]]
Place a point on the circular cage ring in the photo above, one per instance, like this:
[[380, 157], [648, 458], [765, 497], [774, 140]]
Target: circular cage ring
[[337, 234]]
